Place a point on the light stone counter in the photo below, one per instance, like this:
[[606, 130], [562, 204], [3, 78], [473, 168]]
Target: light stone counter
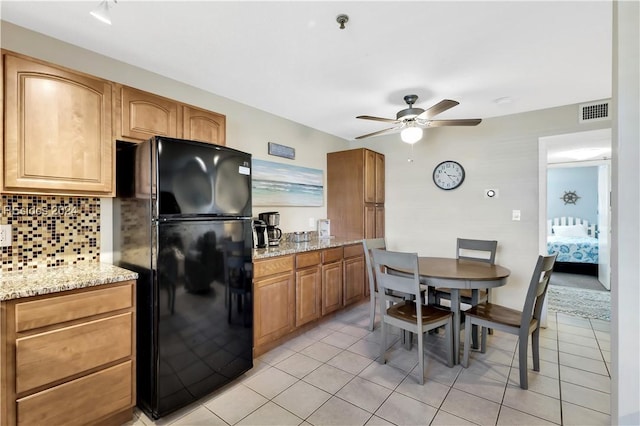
[[292, 248], [34, 282]]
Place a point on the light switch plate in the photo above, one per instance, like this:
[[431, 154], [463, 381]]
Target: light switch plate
[[5, 235], [515, 215]]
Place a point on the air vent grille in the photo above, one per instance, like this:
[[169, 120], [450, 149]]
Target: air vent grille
[[594, 111]]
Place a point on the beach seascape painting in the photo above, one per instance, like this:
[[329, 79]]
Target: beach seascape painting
[[277, 184]]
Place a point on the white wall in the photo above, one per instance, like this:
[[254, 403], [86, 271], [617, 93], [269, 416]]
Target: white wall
[[501, 153], [248, 129], [625, 250]]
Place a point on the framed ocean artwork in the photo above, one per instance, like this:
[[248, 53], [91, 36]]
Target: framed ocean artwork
[[277, 184]]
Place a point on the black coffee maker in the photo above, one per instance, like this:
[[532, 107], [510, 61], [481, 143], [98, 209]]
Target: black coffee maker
[[259, 234], [272, 219]]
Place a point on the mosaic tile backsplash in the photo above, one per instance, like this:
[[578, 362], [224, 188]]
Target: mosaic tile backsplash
[[50, 231]]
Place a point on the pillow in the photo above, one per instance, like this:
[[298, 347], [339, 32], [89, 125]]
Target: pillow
[[570, 231]]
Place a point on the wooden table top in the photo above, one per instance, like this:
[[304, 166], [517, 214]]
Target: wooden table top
[[460, 269]]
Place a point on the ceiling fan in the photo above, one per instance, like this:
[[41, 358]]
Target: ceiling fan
[[411, 120]]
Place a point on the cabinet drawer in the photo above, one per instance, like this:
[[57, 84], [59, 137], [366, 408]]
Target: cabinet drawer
[[277, 265], [48, 357], [332, 255], [81, 401], [353, 250], [57, 309], [308, 259]]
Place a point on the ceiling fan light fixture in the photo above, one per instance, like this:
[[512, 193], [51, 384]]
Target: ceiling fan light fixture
[[101, 13], [411, 134]]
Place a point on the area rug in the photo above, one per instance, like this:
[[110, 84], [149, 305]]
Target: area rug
[[580, 302]]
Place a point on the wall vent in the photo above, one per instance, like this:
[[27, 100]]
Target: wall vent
[[594, 111]]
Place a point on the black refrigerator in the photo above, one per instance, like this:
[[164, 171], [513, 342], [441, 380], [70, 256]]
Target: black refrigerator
[[182, 220]]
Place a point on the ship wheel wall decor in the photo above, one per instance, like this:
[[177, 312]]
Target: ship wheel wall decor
[[570, 197]]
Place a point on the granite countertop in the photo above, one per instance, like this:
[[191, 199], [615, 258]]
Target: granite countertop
[[292, 248], [34, 282]]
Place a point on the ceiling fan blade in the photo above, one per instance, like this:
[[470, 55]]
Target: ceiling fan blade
[[387, 120], [458, 122], [438, 108], [378, 132]]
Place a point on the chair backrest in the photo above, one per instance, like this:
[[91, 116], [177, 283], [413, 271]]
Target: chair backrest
[[368, 245], [480, 250], [537, 289], [383, 261]]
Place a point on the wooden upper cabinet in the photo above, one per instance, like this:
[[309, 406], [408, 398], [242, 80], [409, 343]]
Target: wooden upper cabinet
[[143, 115], [58, 130], [203, 126], [356, 193], [373, 177], [379, 178], [369, 176]]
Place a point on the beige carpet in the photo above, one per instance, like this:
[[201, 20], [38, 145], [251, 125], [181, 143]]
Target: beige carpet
[[580, 302]]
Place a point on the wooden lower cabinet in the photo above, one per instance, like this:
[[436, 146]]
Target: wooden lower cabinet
[[292, 292], [308, 287], [331, 287], [274, 299], [69, 358], [81, 401]]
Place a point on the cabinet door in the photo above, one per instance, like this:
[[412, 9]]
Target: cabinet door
[[203, 126], [57, 130], [370, 221], [379, 232], [308, 294], [144, 115], [331, 287], [353, 279], [273, 307], [369, 176], [379, 178]]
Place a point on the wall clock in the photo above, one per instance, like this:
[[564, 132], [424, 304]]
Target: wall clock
[[448, 175]]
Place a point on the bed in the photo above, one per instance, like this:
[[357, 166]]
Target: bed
[[576, 242]]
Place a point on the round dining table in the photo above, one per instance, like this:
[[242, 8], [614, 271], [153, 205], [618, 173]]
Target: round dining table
[[456, 275]]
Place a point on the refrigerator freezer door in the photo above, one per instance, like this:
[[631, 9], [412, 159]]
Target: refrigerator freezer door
[[200, 179]]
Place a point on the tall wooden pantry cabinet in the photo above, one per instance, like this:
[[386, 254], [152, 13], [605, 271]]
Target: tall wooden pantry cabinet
[[355, 193]]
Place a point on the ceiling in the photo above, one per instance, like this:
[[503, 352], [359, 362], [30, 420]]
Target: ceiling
[[292, 60]]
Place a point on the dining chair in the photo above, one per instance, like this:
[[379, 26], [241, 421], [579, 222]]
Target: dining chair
[[368, 245], [521, 323], [478, 250], [410, 315]]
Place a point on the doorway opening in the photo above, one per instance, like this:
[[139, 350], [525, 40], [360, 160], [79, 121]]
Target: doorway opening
[[575, 220]]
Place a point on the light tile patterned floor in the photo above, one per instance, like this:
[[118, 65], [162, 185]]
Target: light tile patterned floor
[[330, 376]]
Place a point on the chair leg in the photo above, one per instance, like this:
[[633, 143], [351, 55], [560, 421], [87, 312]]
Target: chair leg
[[421, 356], [372, 311], [535, 349], [383, 342], [483, 340], [467, 341], [474, 336], [522, 358], [449, 339]]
